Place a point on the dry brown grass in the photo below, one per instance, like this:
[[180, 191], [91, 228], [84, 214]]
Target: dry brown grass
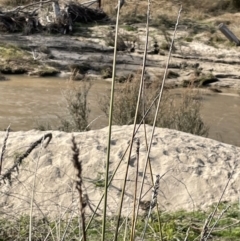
[[136, 9], [177, 111]]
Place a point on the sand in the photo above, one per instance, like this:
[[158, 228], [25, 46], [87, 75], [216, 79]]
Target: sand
[[194, 171]]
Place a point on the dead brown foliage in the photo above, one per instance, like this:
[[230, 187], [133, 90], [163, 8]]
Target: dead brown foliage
[[178, 110]]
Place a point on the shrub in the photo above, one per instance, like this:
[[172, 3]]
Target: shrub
[[235, 4], [77, 108], [180, 112], [77, 111], [125, 102], [183, 113]]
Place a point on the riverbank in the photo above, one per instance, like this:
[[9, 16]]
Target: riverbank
[[88, 53], [195, 173], [194, 170]]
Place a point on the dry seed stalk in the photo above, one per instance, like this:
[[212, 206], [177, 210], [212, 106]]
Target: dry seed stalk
[[8, 175], [135, 193], [110, 126], [78, 166], [153, 202]]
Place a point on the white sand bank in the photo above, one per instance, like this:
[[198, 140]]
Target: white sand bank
[[195, 170]]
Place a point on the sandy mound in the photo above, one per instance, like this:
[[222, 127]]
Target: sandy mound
[[194, 170]]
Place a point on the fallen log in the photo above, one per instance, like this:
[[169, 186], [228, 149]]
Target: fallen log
[[229, 34]]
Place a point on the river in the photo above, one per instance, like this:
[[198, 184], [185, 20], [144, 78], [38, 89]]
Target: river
[[26, 102]]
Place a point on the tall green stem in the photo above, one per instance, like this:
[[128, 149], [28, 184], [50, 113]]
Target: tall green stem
[[135, 121], [157, 110], [110, 126]]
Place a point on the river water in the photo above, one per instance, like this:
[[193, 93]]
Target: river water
[[26, 102]]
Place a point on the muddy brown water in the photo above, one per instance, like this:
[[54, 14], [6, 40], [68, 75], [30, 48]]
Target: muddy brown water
[[26, 101]]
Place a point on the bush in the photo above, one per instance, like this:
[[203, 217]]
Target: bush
[[180, 112], [125, 102], [235, 4], [77, 108], [183, 113]]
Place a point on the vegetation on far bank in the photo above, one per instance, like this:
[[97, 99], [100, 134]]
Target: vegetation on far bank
[[20, 60], [200, 21]]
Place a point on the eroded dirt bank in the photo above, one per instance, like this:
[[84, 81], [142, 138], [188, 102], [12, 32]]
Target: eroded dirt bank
[[88, 52]]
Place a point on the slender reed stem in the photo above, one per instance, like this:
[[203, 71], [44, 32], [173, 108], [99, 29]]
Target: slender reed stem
[[151, 174], [143, 94], [135, 192], [33, 193], [142, 77], [110, 126], [204, 235], [157, 110], [4, 148], [134, 127]]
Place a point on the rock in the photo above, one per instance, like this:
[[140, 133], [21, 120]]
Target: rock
[[2, 77], [11, 69], [44, 72]]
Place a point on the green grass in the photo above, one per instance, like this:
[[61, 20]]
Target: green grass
[[129, 28], [18, 60], [174, 226], [8, 51]]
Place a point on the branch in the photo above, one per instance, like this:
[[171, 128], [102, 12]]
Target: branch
[[19, 8]]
